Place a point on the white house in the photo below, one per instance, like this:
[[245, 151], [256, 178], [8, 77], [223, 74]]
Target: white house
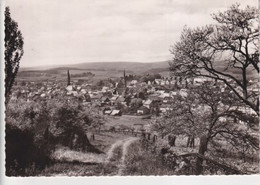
[[148, 103], [116, 113]]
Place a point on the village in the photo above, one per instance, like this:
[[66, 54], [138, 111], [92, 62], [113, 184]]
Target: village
[[130, 88], [123, 96]]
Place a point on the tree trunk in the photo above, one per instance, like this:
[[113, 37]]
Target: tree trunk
[[171, 140], [202, 150], [245, 83]]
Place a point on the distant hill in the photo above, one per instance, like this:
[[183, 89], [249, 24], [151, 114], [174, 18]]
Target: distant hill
[[115, 69], [132, 67], [136, 67]]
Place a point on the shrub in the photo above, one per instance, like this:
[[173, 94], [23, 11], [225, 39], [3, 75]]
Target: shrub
[[33, 129], [23, 157], [144, 159]]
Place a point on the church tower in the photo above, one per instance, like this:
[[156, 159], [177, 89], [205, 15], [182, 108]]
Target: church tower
[[68, 78], [124, 78]]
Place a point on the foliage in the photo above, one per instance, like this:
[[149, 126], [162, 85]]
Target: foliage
[[143, 159], [209, 114], [13, 51], [41, 126], [23, 156], [135, 104], [119, 106], [147, 158], [100, 83], [227, 51], [85, 74], [150, 77]]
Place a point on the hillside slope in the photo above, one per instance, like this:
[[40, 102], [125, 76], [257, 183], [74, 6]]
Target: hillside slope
[[133, 67]]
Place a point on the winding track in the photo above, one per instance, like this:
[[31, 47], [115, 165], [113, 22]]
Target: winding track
[[124, 144], [106, 159]]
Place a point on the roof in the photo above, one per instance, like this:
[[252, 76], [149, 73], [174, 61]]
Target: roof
[[83, 91], [107, 111], [114, 98], [166, 106], [173, 93], [104, 98], [142, 108], [121, 99], [148, 102], [43, 95], [115, 112], [98, 96], [69, 88]]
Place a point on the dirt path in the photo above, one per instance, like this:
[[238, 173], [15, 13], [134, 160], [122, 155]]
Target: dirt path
[[111, 151], [110, 163], [125, 146], [119, 149]]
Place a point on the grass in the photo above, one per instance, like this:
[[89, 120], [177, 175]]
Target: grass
[[61, 75], [117, 154], [65, 154], [72, 169], [75, 163], [143, 161], [103, 141], [142, 158], [132, 121]]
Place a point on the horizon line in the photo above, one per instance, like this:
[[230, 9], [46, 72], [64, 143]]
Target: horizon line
[[71, 64]]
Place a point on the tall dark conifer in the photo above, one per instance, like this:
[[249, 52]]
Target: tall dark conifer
[[13, 52]]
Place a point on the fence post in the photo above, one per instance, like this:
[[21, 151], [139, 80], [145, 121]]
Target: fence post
[[148, 136], [154, 138]]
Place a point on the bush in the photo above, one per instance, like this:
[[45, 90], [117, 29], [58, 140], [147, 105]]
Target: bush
[[22, 154], [34, 129], [143, 158]]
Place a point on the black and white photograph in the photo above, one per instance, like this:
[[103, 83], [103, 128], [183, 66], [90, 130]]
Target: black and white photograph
[[130, 88]]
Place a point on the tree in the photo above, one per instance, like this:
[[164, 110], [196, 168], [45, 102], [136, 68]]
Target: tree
[[135, 104], [141, 95], [227, 51], [34, 129], [13, 51], [150, 77], [100, 83], [208, 114], [119, 106]]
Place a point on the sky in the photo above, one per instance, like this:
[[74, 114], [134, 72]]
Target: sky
[[60, 32]]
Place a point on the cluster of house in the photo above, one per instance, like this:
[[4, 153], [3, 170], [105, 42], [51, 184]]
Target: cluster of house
[[157, 98]]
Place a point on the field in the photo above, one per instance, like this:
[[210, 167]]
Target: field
[[113, 145], [101, 70], [120, 151], [126, 121], [124, 153], [104, 70], [127, 144], [75, 163]]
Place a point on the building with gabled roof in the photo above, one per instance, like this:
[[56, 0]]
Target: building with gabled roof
[[116, 113], [147, 103]]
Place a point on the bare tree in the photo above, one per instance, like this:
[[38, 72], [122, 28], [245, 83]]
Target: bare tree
[[227, 51], [13, 51]]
